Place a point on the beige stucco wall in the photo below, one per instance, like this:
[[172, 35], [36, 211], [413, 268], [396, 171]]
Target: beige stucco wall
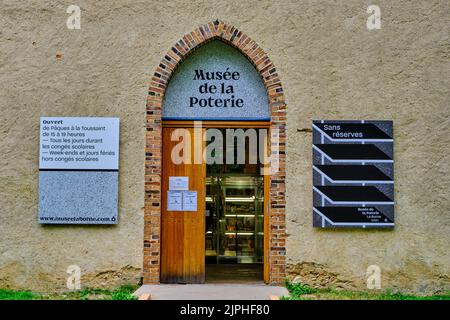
[[331, 67]]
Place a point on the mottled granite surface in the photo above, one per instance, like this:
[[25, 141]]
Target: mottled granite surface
[[78, 197]]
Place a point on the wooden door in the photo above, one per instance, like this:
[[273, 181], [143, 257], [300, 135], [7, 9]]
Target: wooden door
[[183, 232]]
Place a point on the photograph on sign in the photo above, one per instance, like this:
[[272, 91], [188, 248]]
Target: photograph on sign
[[353, 175], [174, 200], [178, 183], [189, 200]]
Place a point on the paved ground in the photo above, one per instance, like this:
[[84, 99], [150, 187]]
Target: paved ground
[[213, 291]]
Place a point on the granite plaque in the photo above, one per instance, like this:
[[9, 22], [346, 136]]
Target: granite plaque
[[78, 170]]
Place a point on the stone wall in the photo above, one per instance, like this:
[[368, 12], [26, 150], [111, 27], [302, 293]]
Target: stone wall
[[331, 67]]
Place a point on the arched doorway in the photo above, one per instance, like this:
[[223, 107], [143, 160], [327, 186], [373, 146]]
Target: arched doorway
[[164, 244]]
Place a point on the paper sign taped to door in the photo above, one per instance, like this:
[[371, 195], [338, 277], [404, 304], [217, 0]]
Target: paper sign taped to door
[[178, 183], [174, 200], [189, 200]]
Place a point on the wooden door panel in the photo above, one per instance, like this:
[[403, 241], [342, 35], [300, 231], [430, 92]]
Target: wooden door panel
[[182, 232]]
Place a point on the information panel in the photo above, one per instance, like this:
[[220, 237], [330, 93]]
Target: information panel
[[353, 176], [78, 170], [79, 143]]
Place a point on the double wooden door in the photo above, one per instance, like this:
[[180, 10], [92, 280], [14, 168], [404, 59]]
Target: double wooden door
[[183, 232]]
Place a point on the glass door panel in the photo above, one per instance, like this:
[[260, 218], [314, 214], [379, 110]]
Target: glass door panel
[[234, 208], [234, 218]]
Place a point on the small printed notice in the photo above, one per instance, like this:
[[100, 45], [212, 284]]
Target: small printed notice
[[174, 200], [75, 143], [181, 200], [189, 200], [178, 183]]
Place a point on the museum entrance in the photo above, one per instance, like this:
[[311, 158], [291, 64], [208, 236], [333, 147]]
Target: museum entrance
[[209, 221], [223, 238]]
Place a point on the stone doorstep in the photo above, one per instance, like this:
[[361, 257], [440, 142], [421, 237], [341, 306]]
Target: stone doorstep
[[210, 292], [145, 296]]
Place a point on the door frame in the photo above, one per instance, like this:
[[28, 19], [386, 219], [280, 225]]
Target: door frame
[[238, 125]]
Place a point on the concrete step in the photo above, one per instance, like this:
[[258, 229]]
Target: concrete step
[[210, 292]]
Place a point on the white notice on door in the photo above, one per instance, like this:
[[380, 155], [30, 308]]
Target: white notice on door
[[178, 183], [189, 200], [174, 201]]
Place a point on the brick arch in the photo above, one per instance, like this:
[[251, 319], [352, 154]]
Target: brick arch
[[216, 30]]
